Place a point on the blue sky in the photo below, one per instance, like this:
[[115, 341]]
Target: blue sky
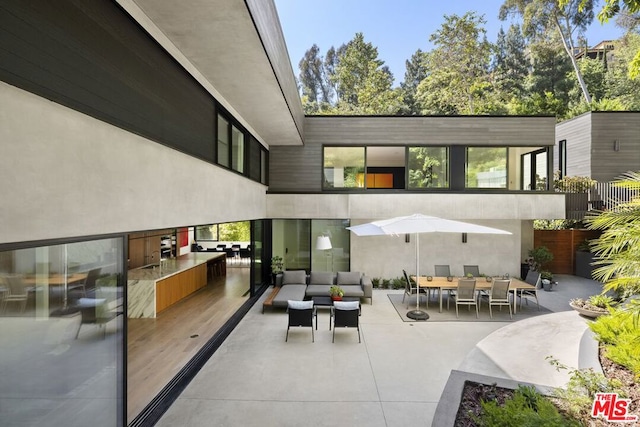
[[396, 27]]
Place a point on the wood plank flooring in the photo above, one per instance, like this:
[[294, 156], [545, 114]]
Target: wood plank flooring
[[158, 348]]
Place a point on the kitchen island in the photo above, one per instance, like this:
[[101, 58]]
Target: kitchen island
[[153, 288]]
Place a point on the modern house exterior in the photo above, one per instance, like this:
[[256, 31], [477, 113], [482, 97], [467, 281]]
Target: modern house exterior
[[601, 145], [125, 117]]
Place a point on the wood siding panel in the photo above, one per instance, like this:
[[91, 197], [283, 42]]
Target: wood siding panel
[[300, 168], [295, 168], [606, 127], [92, 57], [577, 133], [499, 131]]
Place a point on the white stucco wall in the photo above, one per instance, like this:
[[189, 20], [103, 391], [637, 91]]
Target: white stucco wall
[[387, 256], [64, 174]]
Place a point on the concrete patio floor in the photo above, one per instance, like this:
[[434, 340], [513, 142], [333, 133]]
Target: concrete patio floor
[[395, 377]]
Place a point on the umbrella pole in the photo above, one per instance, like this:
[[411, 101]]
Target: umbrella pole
[[417, 314]]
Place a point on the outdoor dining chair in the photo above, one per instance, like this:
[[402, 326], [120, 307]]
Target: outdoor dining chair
[[300, 315], [533, 278], [474, 270], [411, 289], [499, 295], [465, 294], [442, 271], [346, 314]]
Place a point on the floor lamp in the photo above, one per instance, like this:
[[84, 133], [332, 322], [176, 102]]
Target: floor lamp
[[323, 243]]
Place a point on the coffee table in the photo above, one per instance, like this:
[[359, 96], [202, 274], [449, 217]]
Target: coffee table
[[327, 302]]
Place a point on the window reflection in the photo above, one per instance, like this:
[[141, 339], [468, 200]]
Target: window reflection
[[428, 167], [61, 334], [486, 167], [344, 167]]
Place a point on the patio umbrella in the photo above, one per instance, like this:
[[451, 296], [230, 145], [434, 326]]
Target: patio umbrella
[[418, 224]]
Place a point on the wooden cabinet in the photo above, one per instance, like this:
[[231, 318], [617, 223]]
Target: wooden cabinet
[[145, 247], [180, 285]]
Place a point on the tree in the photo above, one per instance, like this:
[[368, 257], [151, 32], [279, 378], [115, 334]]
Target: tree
[[313, 79], [613, 8], [458, 67], [619, 85], [617, 250], [510, 64], [416, 71], [567, 17], [363, 83]]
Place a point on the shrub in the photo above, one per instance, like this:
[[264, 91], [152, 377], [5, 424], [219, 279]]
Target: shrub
[[398, 283], [620, 337], [576, 399], [526, 408], [376, 282]]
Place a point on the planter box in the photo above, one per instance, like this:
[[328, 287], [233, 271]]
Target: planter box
[[583, 264]]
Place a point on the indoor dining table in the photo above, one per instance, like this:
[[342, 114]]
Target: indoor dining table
[[482, 284]]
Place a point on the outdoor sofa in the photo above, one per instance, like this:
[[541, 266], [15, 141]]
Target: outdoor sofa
[[298, 285]]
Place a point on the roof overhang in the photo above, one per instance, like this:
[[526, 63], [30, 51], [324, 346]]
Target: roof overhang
[[236, 49]]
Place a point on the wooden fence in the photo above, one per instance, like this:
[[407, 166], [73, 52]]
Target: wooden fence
[[563, 245]]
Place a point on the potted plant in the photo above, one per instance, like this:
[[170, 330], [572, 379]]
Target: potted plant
[[376, 282], [546, 278], [277, 266], [336, 292], [594, 306]]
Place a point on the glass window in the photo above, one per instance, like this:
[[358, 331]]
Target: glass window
[[237, 149], [61, 334], [291, 240], [344, 167], [541, 170], [486, 167], [526, 171], [206, 232], [223, 141], [331, 242], [428, 167], [264, 167]]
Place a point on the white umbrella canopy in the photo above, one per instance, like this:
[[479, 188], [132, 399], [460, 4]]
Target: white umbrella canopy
[[417, 224]]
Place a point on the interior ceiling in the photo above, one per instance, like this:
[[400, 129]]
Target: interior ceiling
[[219, 38], [385, 156]]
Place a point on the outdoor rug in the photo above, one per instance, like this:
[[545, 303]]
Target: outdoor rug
[[466, 315]]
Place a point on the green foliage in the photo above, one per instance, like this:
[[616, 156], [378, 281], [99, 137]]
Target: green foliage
[[386, 283], [458, 67], [602, 301], [235, 231], [579, 393], [398, 283], [540, 257], [336, 291], [375, 281], [617, 250], [572, 184], [527, 407], [621, 338], [277, 264], [555, 224]]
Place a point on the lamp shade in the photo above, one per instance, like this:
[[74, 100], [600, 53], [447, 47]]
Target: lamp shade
[[323, 243]]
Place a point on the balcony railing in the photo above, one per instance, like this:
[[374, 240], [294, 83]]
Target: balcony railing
[[600, 196]]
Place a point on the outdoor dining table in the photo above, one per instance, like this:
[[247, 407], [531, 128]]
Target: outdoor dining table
[[443, 284]]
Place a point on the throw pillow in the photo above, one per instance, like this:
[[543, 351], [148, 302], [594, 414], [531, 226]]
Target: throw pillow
[[346, 305], [294, 277], [348, 278], [299, 305]]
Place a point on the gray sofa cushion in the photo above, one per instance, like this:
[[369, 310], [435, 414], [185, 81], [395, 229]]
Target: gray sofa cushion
[[349, 278], [294, 277], [321, 278], [318, 290], [352, 290], [288, 292]]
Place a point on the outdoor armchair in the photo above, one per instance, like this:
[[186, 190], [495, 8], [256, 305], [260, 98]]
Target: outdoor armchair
[[300, 315], [345, 314]]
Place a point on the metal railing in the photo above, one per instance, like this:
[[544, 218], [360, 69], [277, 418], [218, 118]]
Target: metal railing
[[600, 196]]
